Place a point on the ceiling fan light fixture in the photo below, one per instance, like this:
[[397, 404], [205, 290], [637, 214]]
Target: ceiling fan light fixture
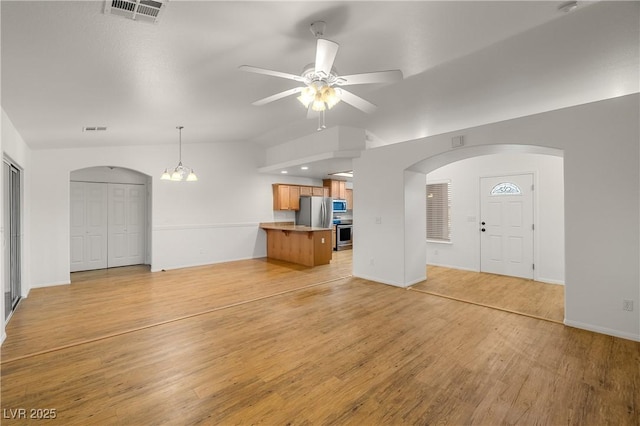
[[318, 105], [307, 95], [330, 97]]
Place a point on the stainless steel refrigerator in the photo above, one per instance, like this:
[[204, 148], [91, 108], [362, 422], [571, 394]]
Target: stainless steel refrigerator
[[315, 211]]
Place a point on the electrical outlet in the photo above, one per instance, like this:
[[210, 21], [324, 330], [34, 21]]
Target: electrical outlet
[[627, 305]]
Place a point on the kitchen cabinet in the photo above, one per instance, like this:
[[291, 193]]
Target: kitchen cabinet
[[286, 197], [349, 198], [337, 188], [303, 245]]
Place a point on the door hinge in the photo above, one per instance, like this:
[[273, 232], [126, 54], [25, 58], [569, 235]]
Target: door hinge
[[532, 187], [533, 227], [533, 266]]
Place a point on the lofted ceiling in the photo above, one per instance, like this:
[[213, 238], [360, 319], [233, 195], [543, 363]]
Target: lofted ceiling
[[67, 65]]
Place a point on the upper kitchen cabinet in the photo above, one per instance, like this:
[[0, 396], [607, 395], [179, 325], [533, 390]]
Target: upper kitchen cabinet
[[306, 190], [337, 188], [349, 198], [319, 191], [286, 197]]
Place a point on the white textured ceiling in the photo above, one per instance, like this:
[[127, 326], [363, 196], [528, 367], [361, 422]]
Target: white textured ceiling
[[66, 65]]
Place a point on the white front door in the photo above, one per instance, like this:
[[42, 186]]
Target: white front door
[[88, 226], [127, 209], [506, 218]]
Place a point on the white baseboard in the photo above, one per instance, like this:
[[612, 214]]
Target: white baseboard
[[460, 268], [392, 283], [50, 284], [193, 265], [602, 330], [549, 281]]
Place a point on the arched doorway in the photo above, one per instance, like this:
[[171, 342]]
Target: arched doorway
[[457, 267], [110, 218]]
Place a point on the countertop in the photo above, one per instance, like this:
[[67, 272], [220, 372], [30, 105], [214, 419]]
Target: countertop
[[287, 226]]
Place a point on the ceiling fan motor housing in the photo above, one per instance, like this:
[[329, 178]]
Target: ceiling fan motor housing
[[317, 28]]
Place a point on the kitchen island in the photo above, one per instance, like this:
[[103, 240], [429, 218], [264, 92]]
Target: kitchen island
[[304, 245]]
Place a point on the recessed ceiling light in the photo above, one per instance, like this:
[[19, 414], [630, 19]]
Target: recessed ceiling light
[[284, 172], [304, 168]]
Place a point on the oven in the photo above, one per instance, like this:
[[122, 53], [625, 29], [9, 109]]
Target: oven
[[344, 236]]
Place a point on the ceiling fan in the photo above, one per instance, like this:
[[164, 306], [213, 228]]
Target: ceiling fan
[[323, 86]]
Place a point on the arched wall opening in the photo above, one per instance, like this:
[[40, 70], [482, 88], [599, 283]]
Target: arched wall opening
[[463, 175], [110, 218], [415, 200], [599, 146]]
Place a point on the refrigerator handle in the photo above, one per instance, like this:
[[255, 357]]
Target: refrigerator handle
[[323, 211]]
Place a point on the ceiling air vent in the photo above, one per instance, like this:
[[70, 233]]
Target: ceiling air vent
[[139, 10], [94, 128]]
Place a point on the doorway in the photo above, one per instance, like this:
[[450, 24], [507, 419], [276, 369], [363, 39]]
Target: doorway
[[12, 177], [506, 220], [109, 218], [498, 271]]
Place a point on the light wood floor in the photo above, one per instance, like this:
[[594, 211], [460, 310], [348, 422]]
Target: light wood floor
[[517, 295], [270, 343]]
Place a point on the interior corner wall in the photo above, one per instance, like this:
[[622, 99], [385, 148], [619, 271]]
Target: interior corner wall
[[601, 146], [415, 227], [463, 252]]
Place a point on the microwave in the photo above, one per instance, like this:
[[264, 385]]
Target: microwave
[[339, 206]]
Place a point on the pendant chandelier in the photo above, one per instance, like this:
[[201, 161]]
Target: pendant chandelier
[[180, 173]]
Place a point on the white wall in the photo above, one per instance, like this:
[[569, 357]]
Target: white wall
[[213, 220], [13, 147], [464, 250], [106, 174], [600, 142]]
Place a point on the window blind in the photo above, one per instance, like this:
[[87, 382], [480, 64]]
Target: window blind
[[439, 212]]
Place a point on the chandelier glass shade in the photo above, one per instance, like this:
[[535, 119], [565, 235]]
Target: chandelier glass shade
[[180, 173], [320, 96]]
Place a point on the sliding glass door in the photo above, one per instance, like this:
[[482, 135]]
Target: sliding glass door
[[12, 238]]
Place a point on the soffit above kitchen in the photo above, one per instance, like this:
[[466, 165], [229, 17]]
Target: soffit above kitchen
[[68, 65]]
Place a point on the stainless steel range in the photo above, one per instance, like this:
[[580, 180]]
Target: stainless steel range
[[344, 235]]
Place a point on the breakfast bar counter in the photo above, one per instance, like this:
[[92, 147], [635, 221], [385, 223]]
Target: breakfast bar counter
[[304, 245]]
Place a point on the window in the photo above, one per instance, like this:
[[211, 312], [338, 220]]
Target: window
[[439, 212], [506, 188]]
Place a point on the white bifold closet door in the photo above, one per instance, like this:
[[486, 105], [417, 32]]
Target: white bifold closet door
[[108, 224], [127, 212], [88, 226]]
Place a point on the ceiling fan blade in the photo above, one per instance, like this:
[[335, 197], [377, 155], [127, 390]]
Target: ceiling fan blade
[[356, 101], [370, 77], [326, 52], [277, 96], [257, 70]]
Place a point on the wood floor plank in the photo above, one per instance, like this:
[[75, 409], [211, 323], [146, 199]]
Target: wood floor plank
[[346, 351], [518, 295]]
